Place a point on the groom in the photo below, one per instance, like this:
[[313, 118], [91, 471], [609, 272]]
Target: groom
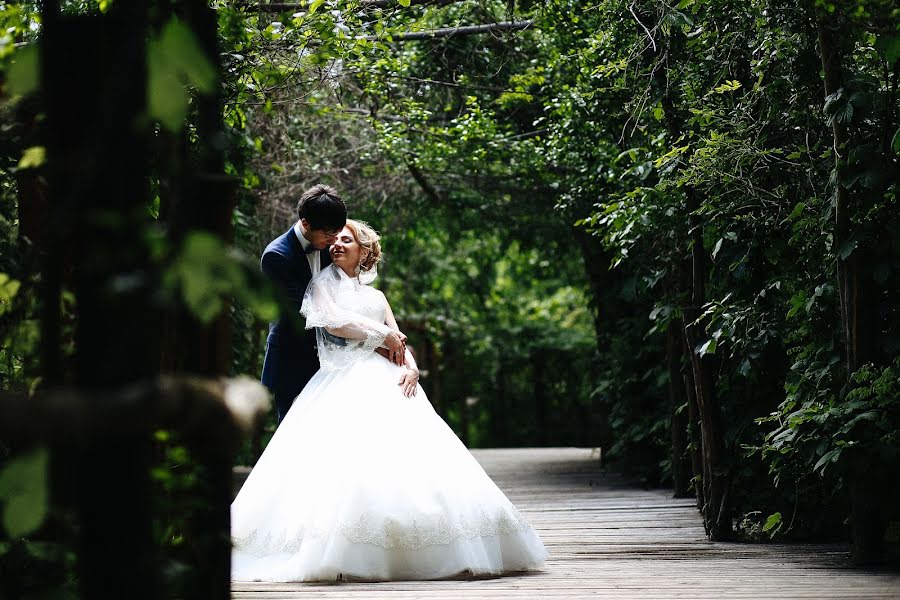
[[291, 260]]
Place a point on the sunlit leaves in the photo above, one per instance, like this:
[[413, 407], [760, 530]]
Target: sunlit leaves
[[728, 86], [174, 62], [773, 524], [708, 347], [19, 23], [33, 157], [9, 287], [23, 76]]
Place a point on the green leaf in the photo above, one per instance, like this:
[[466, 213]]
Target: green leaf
[[889, 43], [33, 157], [846, 248], [829, 457], [798, 301], [24, 74], [708, 348], [201, 274], [728, 86], [895, 143], [23, 490], [168, 100], [772, 521], [174, 61], [9, 287], [314, 5], [798, 210], [838, 107], [404, 2]]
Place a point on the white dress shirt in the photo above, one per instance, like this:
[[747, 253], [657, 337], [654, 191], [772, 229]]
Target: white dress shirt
[[313, 257]]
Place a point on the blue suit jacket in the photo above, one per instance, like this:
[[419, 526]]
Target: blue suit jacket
[[290, 352]]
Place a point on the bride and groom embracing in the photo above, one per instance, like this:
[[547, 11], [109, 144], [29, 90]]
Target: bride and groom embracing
[[362, 479]]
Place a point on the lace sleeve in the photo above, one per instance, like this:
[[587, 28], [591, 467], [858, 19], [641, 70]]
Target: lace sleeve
[[321, 310], [342, 335]]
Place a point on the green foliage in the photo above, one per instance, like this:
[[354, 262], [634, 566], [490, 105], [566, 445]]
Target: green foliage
[[495, 316], [174, 62], [207, 273], [533, 192], [33, 157], [179, 491], [8, 289], [24, 493], [859, 431], [23, 76]]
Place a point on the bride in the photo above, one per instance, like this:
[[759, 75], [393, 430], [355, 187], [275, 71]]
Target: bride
[[362, 479]]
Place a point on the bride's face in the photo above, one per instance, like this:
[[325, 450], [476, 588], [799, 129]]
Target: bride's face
[[345, 251]]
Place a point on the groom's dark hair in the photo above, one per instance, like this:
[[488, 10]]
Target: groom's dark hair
[[322, 208]]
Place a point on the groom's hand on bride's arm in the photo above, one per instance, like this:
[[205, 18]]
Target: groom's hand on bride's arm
[[387, 355], [388, 352]]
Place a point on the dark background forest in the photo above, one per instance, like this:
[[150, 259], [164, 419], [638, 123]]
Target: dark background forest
[[667, 229]]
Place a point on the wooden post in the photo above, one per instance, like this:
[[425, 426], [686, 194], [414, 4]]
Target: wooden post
[[208, 205], [94, 77]]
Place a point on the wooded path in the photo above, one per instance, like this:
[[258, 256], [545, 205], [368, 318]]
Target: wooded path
[[610, 540]]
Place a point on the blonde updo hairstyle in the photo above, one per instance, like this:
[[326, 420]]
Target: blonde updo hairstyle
[[369, 248]]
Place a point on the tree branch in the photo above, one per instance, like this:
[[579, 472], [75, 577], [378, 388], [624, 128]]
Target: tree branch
[[279, 7], [447, 32], [429, 189], [644, 27]]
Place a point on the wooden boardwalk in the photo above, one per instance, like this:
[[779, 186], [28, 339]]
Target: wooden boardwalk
[[608, 540]]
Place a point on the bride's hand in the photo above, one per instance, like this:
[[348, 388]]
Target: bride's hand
[[408, 382]]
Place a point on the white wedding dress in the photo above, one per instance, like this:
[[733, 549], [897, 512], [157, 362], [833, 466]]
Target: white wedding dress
[[361, 482]]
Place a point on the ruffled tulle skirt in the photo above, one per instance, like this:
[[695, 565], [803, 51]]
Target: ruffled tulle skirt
[[360, 482]]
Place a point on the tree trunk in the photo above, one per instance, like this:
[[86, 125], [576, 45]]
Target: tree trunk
[[859, 303], [36, 219], [435, 392], [500, 412], [208, 205], [541, 410], [596, 265], [678, 420], [716, 513], [696, 440]]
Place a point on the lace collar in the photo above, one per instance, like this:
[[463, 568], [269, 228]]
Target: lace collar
[[363, 279]]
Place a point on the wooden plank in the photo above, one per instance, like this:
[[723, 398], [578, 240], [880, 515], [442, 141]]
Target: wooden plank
[[608, 540]]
